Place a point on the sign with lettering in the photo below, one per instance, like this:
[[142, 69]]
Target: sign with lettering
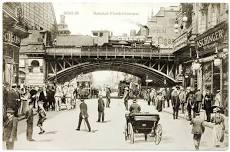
[[180, 42], [209, 39], [10, 37]]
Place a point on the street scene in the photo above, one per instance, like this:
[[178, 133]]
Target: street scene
[[120, 76]]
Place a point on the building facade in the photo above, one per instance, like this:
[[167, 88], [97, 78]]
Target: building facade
[[201, 49], [43, 30], [39, 16], [14, 30]]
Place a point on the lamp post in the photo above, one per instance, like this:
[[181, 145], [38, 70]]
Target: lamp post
[[217, 61]]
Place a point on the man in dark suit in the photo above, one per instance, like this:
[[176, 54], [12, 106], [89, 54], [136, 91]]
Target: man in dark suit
[[44, 98], [101, 107], [197, 130], [175, 103], [134, 107], [108, 91], [208, 99], [83, 115]]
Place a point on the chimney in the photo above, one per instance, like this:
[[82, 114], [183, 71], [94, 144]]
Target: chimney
[[62, 19]]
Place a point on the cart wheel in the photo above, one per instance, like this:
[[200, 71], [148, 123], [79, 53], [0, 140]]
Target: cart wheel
[[131, 133], [158, 135]]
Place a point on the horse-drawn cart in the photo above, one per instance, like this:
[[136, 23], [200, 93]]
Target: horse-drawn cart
[[143, 123]]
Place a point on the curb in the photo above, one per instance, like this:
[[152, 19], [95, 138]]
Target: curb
[[209, 125]]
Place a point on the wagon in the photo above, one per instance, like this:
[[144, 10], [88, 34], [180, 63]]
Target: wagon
[[143, 123]]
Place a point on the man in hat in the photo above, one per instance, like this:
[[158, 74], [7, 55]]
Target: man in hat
[[197, 130], [198, 100], [30, 120], [208, 99], [126, 97], [108, 91], [134, 107], [175, 102], [101, 108], [10, 128], [83, 115]]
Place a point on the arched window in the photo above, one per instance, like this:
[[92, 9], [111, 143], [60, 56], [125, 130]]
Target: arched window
[[35, 66], [35, 63]]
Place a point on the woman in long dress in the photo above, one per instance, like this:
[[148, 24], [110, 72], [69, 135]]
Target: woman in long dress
[[219, 127]]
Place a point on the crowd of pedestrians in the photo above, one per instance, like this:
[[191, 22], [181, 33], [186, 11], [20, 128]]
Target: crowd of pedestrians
[[27, 101], [188, 102]]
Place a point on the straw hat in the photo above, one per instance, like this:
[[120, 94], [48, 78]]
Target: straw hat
[[216, 109]]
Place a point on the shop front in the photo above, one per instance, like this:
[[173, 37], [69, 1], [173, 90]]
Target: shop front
[[212, 47], [184, 51]]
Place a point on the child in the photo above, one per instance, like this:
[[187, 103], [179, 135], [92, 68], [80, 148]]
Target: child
[[29, 119], [41, 117]]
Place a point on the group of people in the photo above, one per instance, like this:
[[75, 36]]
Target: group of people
[[192, 101], [12, 97]]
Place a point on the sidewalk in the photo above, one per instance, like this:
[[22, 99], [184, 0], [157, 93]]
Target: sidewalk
[[202, 114]]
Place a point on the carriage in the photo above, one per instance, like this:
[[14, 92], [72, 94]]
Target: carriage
[[143, 123]]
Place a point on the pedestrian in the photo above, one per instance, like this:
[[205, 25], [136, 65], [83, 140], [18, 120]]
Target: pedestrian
[[108, 91], [41, 117], [83, 115], [197, 130], [208, 99], [190, 104], [101, 108], [218, 128], [217, 100], [58, 97], [198, 101], [134, 107], [168, 96], [33, 93], [148, 96], [182, 98], [10, 125], [175, 102], [159, 101], [30, 120], [44, 98], [126, 98]]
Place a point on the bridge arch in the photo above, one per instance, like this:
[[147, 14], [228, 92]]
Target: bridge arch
[[136, 69]]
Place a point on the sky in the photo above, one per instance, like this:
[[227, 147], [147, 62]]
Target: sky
[[119, 18]]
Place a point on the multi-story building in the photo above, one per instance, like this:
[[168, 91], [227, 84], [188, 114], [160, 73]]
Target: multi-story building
[[14, 29], [39, 16], [41, 21], [204, 57], [160, 27]]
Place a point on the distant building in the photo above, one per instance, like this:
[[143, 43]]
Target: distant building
[[63, 27], [161, 28], [132, 32]]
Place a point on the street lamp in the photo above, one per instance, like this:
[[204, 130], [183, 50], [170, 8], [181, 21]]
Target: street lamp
[[217, 60], [196, 64]]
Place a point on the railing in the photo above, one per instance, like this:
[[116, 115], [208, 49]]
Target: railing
[[106, 52]]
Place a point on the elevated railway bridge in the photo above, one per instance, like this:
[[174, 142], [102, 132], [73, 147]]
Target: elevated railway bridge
[[65, 63]]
